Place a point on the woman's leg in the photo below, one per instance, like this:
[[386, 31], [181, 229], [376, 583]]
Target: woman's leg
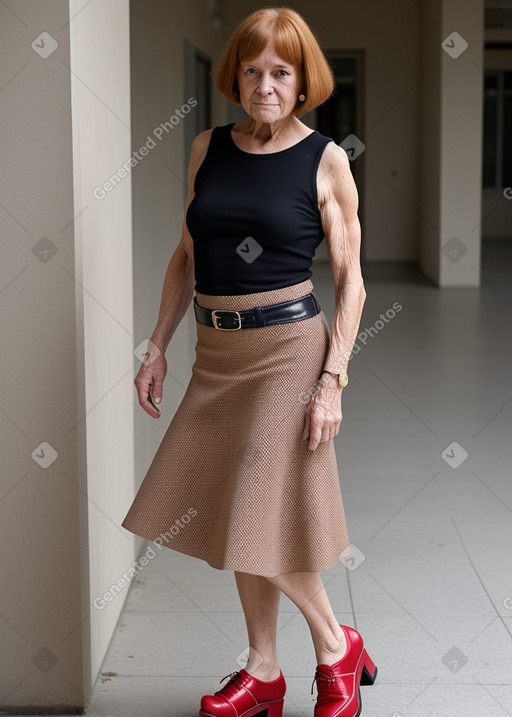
[[307, 591], [260, 603]]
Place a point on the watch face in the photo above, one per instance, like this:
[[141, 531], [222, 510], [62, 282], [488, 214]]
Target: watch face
[[343, 380]]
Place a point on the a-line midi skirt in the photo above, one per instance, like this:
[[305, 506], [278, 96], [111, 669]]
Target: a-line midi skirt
[[233, 482]]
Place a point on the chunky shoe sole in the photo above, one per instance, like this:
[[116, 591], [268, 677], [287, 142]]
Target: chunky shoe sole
[[274, 708]]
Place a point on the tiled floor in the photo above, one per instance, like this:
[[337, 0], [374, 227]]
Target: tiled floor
[[424, 454]]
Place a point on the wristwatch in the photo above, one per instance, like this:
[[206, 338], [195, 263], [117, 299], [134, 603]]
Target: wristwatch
[[342, 378]]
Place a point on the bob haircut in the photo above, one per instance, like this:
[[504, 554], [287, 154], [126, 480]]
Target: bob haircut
[[294, 42]]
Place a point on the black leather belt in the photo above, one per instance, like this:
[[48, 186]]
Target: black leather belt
[[304, 307]]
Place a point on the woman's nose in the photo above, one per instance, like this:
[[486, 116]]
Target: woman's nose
[[265, 86]]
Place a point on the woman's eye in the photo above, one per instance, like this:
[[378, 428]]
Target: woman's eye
[[251, 70]]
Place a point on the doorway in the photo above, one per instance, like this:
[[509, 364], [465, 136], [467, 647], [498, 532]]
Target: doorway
[[341, 117]]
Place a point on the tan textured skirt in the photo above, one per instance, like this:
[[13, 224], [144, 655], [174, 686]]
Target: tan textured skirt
[[233, 482]]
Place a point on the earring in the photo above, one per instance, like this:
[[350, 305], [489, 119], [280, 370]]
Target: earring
[[302, 97]]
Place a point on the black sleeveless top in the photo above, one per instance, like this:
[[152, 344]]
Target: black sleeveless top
[[254, 219]]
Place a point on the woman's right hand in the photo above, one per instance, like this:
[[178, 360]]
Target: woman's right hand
[[150, 379]]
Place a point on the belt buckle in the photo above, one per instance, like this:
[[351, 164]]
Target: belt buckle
[[215, 319]]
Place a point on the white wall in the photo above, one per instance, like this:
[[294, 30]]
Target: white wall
[[67, 344], [100, 65], [41, 635]]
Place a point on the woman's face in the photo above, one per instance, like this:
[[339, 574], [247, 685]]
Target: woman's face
[[269, 86]]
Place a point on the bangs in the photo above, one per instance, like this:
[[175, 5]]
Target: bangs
[[286, 41]]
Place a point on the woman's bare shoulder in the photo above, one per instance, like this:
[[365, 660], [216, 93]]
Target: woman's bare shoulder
[[200, 145], [202, 139], [198, 150], [334, 159], [334, 178]]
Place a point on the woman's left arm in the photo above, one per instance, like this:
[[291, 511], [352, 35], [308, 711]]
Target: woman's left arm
[[338, 204]]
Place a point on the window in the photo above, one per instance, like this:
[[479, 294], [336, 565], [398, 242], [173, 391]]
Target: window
[[497, 130]]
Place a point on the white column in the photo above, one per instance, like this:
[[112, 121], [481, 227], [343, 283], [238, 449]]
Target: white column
[[101, 115], [451, 141]]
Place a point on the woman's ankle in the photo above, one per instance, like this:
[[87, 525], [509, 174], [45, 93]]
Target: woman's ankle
[[262, 670], [331, 649]]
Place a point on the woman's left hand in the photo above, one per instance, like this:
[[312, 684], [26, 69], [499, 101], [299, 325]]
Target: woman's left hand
[[323, 412]]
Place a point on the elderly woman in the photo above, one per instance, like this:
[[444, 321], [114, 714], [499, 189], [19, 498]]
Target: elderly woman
[[246, 476]]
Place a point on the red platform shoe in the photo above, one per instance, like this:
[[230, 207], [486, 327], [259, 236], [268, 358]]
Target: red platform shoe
[[245, 696], [338, 685]]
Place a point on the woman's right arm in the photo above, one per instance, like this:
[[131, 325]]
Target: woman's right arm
[[177, 293]]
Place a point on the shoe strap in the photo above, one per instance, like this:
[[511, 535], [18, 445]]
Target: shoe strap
[[320, 675], [330, 678], [232, 677]]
